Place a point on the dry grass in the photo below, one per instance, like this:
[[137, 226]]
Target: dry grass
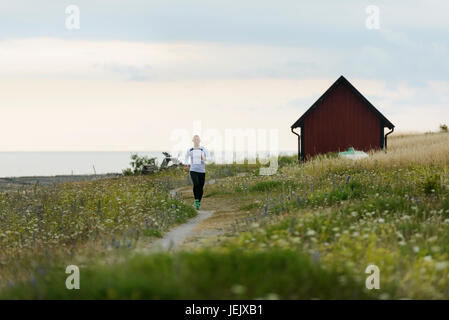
[[425, 149], [404, 150]]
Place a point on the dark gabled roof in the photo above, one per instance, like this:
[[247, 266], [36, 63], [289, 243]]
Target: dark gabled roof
[[343, 80]]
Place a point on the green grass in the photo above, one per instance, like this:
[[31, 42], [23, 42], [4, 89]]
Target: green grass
[[206, 274], [90, 218], [334, 218], [264, 186], [396, 218]]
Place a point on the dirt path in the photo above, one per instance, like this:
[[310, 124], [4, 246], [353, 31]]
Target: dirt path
[[214, 221], [176, 237]]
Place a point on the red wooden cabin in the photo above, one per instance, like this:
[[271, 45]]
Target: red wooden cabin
[[341, 118]]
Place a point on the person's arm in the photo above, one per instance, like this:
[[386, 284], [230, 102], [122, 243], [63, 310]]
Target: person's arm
[[207, 155]]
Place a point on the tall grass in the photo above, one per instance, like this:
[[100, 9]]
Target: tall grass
[[312, 230]]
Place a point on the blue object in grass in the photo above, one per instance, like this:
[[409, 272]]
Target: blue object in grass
[[353, 154]]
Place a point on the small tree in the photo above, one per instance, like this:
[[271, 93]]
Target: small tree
[[443, 128], [140, 165]]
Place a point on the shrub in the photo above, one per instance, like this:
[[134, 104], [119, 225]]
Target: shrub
[[287, 160], [432, 184], [127, 172], [140, 165]]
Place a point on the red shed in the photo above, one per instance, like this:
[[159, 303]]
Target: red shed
[[341, 118]]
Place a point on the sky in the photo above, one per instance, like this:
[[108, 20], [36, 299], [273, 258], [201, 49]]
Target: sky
[[136, 72]]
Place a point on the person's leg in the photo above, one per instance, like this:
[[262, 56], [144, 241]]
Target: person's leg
[[195, 181], [201, 180]]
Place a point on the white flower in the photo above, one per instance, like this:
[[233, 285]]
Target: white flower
[[310, 233], [296, 240], [441, 265], [272, 296], [238, 289], [427, 258], [435, 248], [384, 296]]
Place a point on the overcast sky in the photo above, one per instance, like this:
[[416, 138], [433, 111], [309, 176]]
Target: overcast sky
[[136, 71]]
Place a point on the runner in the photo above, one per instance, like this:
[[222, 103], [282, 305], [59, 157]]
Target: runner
[[198, 155]]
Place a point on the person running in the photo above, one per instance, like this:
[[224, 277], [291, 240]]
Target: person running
[[198, 155]]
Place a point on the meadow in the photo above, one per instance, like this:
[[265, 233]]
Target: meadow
[[309, 231]]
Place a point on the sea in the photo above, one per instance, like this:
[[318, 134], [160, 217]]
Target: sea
[[24, 164], [28, 164]]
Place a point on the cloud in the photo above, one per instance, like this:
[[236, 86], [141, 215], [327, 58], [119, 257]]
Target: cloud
[[59, 58]]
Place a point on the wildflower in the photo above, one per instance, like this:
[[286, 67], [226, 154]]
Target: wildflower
[[441, 265], [435, 248], [272, 296], [380, 220], [296, 240], [238, 289], [310, 233], [427, 258], [384, 296]]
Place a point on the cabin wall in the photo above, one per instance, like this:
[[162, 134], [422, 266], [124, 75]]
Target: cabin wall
[[342, 120]]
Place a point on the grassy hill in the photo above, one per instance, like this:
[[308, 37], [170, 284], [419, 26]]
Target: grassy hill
[[309, 231]]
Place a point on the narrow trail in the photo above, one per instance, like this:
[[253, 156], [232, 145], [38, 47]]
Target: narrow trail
[[176, 237], [214, 221]]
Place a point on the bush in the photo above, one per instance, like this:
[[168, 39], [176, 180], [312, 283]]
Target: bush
[[432, 184], [140, 165], [443, 128], [287, 160]]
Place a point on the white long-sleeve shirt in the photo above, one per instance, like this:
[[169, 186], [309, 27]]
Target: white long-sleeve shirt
[[193, 156]]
